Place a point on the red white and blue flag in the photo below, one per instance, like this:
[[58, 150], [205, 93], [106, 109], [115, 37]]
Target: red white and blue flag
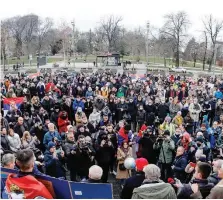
[[8, 101]]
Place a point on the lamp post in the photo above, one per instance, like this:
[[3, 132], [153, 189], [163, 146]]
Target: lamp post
[[72, 42], [147, 42]]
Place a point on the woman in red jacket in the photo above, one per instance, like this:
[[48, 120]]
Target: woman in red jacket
[[63, 122]]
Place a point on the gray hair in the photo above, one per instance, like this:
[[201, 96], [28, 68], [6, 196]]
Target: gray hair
[[152, 172], [95, 172], [7, 159], [219, 163]]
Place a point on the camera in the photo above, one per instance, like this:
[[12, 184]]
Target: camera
[[160, 139]]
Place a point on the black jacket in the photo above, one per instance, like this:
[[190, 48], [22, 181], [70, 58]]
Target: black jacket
[[146, 148], [132, 110], [163, 109], [180, 163], [71, 158], [88, 108], [104, 155], [19, 129], [5, 143], [214, 178], [204, 187], [132, 183]]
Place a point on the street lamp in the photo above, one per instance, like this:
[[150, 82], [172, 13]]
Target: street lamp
[[147, 42]]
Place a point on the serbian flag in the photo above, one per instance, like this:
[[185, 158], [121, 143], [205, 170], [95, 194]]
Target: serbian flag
[[7, 102], [34, 75], [137, 76]]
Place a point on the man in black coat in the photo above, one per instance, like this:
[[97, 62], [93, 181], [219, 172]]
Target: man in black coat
[[70, 152], [162, 111], [134, 181], [146, 146], [104, 155], [20, 127], [132, 110], [179, 165]]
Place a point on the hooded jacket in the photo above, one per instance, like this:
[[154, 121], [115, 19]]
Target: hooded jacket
[[158, 190], [62, 123]]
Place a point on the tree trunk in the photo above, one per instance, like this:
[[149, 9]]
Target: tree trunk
[[195, 62], [211, 61], [204, 58], [178, 52]]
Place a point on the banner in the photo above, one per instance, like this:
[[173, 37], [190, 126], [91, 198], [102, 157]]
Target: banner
[[7, 102], [62, 189]]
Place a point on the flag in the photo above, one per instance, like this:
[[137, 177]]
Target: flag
[[34, 75], [7, 102]]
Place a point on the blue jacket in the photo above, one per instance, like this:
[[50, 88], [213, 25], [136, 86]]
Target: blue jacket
[[54, 167], [218, 95], [89, 93], [48, 137], [77, 104], [132, 183], [180, 164]]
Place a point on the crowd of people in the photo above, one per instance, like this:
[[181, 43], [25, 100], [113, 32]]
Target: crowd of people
[[82, 127]]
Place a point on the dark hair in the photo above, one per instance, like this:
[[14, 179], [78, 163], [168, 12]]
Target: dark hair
[[204, 169], [23, 157]]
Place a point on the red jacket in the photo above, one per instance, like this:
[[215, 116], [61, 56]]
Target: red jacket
[[26, 187], [62, 124]]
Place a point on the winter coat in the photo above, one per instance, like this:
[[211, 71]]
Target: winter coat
[[174, 108], [180, 163], [216, 193], [32, 144], [88, 108], [54, 118], [62, 123], [218, 95], [20, 129], [28, 123], [104, 155], [94, 118], [4, 124], [71, 158], [166, 150], [14, 142], [77, 104], [47, 105], [162, 111], [121, 156], [158, 190], [214, 178], [5, 143], [181, 96], [205, 188], [69, 110], [25, 107], [132, 183], [219, 109], [48, 137], [89, 94], [54, 167], [141, 116], [146, 148], [120, 112], [195, 111], [132, 110]]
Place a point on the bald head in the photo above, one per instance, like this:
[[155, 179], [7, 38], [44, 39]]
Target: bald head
[[51, 127]]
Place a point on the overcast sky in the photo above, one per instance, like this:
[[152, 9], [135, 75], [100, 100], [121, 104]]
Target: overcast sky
[[87, 13]]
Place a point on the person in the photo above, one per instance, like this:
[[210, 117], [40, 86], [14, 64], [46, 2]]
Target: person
[[69, 148], [124, 151], [194, 110], [95, 174], [51, 135], [54, 161], [215, 193], [146, 143], [166, 146], [152, 187], [63, 122], [20, 127], [179, 164], [8, 161], [202, 172], [104, 155], [24, 184], [29, 141], [134, 181], [214, 178], [5, 147], [14, 140]]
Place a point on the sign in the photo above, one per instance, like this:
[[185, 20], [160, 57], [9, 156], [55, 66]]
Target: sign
[[63, 189]]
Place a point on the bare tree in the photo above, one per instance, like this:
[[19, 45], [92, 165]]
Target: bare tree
[[44, 27], [213, 27], [3, 43], [16, 26], [175, 28], [30, 30], [205, 47], [111, 28]]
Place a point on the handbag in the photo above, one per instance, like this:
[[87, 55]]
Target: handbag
[[122, 167]]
